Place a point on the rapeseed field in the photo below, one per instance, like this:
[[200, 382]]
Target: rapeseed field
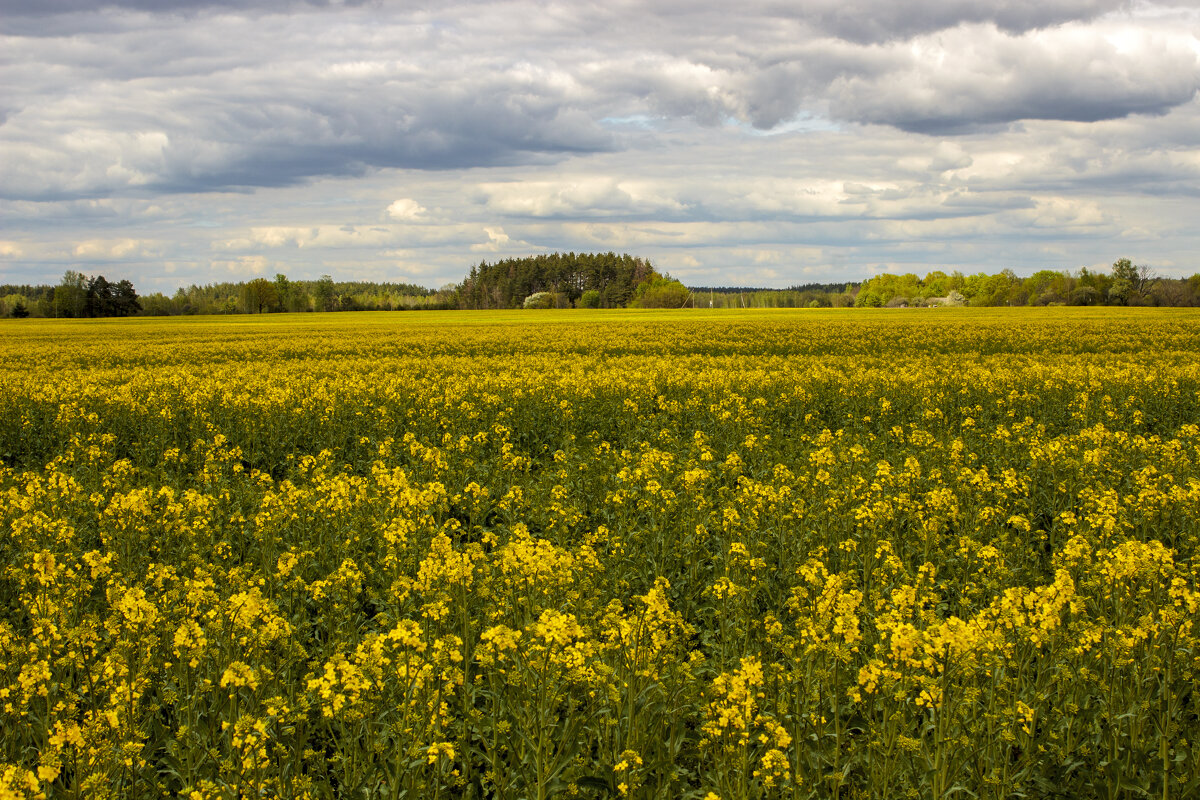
[[926, 554]]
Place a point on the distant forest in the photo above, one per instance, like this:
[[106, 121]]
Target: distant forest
[[246, 297], [807, 295], [77, 296], [1127, 284], [597, 280]]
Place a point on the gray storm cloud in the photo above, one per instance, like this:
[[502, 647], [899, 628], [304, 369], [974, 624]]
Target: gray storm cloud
[[972, 77], [856, 20], [166, 131], [138, 98], [38, 8], [873, 21]]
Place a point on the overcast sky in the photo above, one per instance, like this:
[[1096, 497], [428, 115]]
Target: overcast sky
[[181, 141]]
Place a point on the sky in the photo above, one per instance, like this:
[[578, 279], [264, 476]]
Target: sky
[[762, 143]]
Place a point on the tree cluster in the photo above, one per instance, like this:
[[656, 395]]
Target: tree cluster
[[1127, 284], [80, 296], [809, 295], [106, 299], [660, 291], [597, 280], [19, 301], [567, 276], [261, 296]]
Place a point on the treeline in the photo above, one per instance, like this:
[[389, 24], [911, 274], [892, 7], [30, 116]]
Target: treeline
[[1128, 284], [261, 296], [21, 300], [563, 280], [808, 295], [598, 280], [77, 296]]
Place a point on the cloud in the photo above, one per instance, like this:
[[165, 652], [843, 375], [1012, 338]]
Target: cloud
[[374, 138], [497, 240], [405, 209], [238, 105], [109, 248], [1061, 214], [151, 102], [242, 266], [973, 77], [875, 21], [853, 20], [55, 7], [320, 236], [948, 157], [138, 102], [586, 195]]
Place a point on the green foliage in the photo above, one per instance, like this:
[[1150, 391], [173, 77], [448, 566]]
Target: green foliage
[[1129, 284], [260, 295], [106, 299], [660, 291], [1085, 296], [882, 289], [603, 280], [283, 291], [324, 294], [811, 295], [70, 296], [807, 295], [506, 283], [80, 296], [541, 300], [284, 294]]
